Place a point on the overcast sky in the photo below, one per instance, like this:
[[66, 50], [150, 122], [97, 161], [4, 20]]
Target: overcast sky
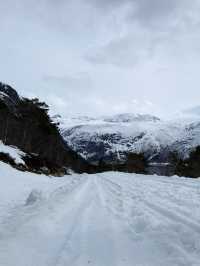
[[103, 56]]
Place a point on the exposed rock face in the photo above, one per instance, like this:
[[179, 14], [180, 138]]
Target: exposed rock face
[[191, 166], [134, 163], [9, 95], [25, 124]]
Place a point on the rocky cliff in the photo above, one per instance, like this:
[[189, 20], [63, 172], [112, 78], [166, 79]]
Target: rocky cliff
[[26, 125]]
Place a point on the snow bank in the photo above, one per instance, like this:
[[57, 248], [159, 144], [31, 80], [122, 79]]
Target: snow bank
[[16, 187], [14, 153]]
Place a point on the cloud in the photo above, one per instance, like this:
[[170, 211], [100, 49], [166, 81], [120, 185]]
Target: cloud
[[125, 52], [151, 27], [148, 12], [93, 56], [80, 81]]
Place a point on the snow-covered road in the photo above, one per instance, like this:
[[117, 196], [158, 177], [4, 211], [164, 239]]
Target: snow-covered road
[[111, 219]]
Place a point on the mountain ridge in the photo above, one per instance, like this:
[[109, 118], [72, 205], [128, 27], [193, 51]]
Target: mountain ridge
[[158, 140]]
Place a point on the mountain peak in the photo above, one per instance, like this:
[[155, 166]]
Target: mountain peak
[[8, 95], [131, 117]]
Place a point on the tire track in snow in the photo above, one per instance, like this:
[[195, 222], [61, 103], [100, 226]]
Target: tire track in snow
[[102, 220], [167, 212], [179, 215], [170, 220], [99, 239], [44, 222]]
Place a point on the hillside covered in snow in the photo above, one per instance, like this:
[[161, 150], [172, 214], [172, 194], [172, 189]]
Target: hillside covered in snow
[[112, 138], [137, 133]]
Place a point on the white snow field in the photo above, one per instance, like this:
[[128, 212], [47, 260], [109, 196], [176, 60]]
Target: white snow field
[[110, 219]]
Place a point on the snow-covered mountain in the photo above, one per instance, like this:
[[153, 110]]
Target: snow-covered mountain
[[77, 120], [111, 137], [130, 118], [102, 137]]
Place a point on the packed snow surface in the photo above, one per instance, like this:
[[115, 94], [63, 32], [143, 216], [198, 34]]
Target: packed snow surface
[[110, 219]]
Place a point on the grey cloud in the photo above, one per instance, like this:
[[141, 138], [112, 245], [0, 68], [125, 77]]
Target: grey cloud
[[91, 55], [148, 12], [104, 4], [124, 52], [77, 82], [152, 26]]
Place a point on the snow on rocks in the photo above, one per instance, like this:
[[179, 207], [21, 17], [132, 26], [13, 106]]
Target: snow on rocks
[[13, 152]]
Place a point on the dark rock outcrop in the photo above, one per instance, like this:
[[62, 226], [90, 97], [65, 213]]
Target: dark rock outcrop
[[191, 166], [26, 125], [134, 163]]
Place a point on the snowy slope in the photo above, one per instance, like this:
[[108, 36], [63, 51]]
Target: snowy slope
[[13, 152], [188, 139], [109, 219], [72, 121], [96, 139]]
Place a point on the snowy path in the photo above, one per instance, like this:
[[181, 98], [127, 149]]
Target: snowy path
[[110, 219]]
